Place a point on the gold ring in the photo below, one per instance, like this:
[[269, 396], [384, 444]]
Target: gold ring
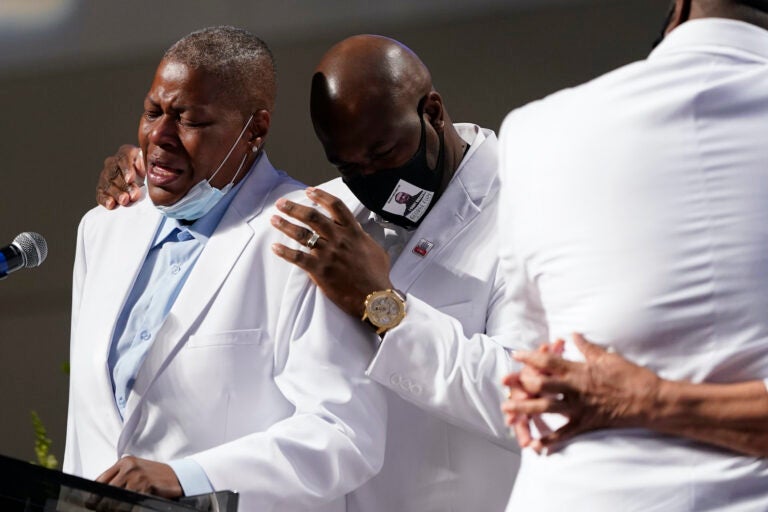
[[312, 240]]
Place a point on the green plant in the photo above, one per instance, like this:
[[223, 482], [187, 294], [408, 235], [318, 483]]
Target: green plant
[[43, 444]]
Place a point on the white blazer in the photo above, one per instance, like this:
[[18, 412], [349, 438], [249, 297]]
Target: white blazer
[[447, 446], [254, 375], [635, 210]]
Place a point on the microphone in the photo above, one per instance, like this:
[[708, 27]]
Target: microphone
[[28, 250]]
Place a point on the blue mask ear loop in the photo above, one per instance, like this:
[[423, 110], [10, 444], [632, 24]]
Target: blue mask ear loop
[[242, 132], [238, 169]]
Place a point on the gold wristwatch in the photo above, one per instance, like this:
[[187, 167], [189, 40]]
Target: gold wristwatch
[[384, 309]]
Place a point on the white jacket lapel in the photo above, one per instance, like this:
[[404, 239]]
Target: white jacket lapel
[[123, 252], [215, 263], [461, 202]]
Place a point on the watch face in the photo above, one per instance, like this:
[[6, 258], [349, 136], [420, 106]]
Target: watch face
[[384, 310]]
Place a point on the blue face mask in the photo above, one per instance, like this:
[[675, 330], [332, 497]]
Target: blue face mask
[[202, 197]]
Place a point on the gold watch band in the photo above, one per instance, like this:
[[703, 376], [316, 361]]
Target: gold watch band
[[384, 319]]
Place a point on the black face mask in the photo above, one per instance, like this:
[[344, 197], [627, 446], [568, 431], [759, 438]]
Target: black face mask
[[403, 195]]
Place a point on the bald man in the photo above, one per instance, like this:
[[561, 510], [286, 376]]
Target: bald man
[[415, 240], [411, 233]]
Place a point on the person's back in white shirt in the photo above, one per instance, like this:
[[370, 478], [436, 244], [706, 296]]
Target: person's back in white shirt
[[635, 209]]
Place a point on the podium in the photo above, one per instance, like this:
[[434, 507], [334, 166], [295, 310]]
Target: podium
[[25, 487]]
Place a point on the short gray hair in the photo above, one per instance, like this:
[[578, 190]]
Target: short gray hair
[[243, 62]]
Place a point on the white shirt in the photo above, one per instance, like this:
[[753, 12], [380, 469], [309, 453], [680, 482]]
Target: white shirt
[[634, 210]]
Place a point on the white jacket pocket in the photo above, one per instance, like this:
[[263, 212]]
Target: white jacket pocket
[[243, 337]]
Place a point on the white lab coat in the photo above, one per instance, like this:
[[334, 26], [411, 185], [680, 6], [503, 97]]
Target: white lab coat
[[634, 211], [447, 446], [254, 375]]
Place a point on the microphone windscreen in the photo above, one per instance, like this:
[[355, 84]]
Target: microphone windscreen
[[33, 246]]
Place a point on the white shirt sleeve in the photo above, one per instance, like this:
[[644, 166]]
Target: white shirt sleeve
[[191, 476], [429, 361]]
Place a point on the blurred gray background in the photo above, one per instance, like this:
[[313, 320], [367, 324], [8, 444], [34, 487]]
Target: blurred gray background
[[73, 74]]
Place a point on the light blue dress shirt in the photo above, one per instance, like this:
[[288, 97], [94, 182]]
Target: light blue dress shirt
[[174, 251]]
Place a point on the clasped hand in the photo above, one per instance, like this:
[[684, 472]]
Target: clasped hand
[[604, 391]]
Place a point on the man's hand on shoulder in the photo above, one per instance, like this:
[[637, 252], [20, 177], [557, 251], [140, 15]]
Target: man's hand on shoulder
[[345, 262], [142, 475], [121, 178]]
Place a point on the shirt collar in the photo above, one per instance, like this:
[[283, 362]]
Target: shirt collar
[[472, 135], [715, 35]]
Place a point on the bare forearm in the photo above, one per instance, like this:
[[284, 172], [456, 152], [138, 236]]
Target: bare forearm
[[732, 416], [608, 391]]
